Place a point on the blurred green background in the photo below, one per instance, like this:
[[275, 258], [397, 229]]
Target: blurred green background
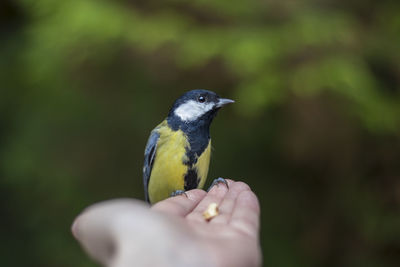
[[315, 129]]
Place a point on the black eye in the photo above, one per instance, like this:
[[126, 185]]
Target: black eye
[[201, 99]]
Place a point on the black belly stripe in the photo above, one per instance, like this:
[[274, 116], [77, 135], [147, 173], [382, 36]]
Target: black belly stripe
[[198, 135], [191, 179]]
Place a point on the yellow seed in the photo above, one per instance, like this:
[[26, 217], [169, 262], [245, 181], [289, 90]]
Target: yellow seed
[[211, 211]]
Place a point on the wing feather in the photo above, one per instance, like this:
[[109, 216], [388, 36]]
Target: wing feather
[[149, 156]]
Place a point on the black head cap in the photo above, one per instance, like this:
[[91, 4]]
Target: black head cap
[[196, 107]]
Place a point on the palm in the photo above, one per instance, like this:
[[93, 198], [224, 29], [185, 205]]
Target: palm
[[229, 239]]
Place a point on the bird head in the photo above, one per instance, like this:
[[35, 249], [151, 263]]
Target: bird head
[[197, 106]]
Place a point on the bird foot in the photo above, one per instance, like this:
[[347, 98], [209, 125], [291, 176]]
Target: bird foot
[[218, 181], [178, 193]]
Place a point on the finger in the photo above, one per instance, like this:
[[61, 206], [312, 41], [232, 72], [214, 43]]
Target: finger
[[180, 205], [228, 203], [215, 195], [246, 214], [98, 228]]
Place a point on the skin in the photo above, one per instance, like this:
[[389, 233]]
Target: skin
[[173, 232]]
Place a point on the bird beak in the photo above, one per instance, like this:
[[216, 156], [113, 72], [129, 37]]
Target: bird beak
[[223, 102]]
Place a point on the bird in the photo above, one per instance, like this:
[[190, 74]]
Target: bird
[[178, 150]]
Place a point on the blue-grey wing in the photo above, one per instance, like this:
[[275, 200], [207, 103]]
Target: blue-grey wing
[[149, 155]]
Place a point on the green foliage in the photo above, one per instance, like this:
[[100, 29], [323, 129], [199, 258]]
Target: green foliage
[[315, 130]]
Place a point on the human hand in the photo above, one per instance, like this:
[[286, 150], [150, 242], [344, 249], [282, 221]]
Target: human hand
[[173, 232]]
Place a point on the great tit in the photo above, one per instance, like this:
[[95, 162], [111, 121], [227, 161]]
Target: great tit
[[177, 154]]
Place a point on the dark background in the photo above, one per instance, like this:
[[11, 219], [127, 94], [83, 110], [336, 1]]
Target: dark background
[[315, 130]]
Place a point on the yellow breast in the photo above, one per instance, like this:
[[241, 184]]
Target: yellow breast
[[169, 170], [202, 164]]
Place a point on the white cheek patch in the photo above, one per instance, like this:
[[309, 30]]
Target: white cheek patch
[[192, 110]]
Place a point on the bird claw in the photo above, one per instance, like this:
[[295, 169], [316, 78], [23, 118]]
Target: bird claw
[[178, 193], [217, 182]]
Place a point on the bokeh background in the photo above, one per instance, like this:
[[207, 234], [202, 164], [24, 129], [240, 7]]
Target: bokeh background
[[315, 129]]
